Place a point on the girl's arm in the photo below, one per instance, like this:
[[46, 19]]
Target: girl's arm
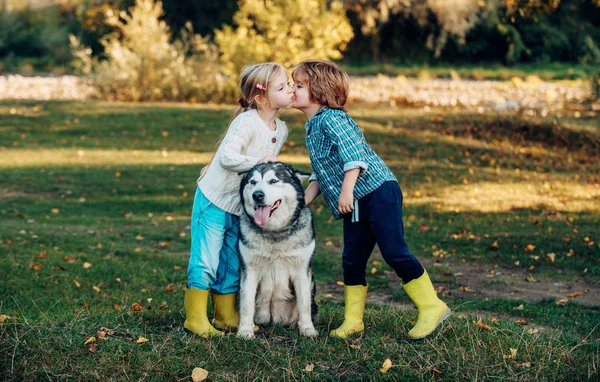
[[234, 145], [346, 201]]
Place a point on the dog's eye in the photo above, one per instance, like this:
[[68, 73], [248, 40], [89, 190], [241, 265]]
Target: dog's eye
[[253, 182], [273, 181]]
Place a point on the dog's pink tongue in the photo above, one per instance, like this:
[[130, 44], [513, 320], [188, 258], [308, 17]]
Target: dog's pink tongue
[[261, 215]]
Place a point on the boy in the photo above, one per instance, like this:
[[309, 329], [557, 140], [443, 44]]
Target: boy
[[359, 188]]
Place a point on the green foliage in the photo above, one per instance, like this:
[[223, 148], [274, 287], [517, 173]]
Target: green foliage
[[284, 31], [143, 63], [591, 60]]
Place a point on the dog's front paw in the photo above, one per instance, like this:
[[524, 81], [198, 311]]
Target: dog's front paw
[[309, 331], [246, 332]]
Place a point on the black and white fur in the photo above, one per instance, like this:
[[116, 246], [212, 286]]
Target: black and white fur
[[276, 246]]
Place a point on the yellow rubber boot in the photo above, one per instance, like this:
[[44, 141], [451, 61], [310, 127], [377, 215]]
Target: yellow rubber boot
[[354, 307], [226, 314], [196, 320], [432, 310]]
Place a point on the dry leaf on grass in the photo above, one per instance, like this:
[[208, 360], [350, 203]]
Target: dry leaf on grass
[[141, 340], [521, 321], [387, 364], [481, 325], [199, 374], [75, 283], [136, 307], [512, 355], [86, 265], [529, 248], [90, 340], [309, 367], [562, 301]]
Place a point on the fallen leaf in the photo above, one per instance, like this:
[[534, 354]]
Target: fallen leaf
[[495, 245], [521, 321], [86, 265], [177, 267], [169, 288], [375, 262], [529, 247], [309, 367], [96, 288], [340, 283], [90, 340], [575, 294], [4, 317], [520, 307], [75, 283], [92, 348], [533, 331], [139, 238], [481, 325], [465, 288], [531, 279], [551, 257], [513, 354], [387, 364], [141, 340], [36, 267], [136, 307], [524, 364], [562, 301], [40, 255], [353, 346], [103, 333], [373, 270], [199, 374], [117, 307]]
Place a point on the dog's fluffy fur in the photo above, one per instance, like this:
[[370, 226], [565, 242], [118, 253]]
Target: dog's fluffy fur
[[276, 245]]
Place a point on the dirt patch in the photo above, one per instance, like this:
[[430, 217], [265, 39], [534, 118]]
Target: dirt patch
[[481, 281]]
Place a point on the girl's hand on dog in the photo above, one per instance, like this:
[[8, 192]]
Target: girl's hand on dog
[[268, 158], [346, 202]]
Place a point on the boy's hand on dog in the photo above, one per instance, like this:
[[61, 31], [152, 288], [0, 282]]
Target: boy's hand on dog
[[346, 202], [268, 158]]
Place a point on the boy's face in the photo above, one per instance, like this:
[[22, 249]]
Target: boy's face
[[302, 95]]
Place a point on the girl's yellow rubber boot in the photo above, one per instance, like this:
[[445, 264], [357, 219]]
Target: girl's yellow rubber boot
[[432, 310], [354, 308], [227, 316], [196, 320]]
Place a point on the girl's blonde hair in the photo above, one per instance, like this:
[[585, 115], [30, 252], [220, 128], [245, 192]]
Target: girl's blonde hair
[[254, 81], [327, 84]]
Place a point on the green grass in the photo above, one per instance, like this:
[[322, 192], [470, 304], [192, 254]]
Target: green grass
[[95, 200], [548, 72]]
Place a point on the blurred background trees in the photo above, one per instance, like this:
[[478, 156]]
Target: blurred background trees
[[34, 35]]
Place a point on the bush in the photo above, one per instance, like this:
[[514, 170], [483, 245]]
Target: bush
[[144, 64], [284, 31]]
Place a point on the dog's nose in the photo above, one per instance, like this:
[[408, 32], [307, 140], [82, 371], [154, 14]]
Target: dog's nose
[[258, 196]]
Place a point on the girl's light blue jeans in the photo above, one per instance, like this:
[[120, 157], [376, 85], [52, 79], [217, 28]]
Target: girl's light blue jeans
[[214, 261]]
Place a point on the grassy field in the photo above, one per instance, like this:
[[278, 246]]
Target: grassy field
[[548, 72], [95, 201]]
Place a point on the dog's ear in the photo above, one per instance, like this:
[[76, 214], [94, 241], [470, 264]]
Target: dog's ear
[[243, 173], [301, 175]]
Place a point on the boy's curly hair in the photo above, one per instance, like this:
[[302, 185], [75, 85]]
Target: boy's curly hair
[[327, 84]]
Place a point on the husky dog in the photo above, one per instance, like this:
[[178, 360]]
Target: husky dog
[[276, 246]]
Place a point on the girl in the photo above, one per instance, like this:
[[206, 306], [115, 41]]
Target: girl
[[254, 136], [351, 176]]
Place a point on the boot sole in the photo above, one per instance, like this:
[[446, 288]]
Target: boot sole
[[444, 317]]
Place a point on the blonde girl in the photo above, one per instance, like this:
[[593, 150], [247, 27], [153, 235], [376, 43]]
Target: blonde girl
[[255, 135]]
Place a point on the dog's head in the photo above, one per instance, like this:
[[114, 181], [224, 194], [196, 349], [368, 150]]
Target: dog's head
[[272, 195]]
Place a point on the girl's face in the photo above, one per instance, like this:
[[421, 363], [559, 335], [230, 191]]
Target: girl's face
[[281, 95]]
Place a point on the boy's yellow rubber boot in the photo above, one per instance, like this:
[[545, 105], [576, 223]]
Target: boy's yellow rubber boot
[[227, 316], [195, 304], [432, 310], [354, 307]]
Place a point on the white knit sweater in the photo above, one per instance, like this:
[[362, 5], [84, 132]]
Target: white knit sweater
[[247, 141]]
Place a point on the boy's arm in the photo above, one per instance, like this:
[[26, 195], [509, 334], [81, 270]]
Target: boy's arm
[[346, 201], [312, 191], [347, 137]]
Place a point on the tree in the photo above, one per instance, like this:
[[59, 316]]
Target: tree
[[284, 31]]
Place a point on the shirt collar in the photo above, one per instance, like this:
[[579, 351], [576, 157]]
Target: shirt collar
[[309, 122]]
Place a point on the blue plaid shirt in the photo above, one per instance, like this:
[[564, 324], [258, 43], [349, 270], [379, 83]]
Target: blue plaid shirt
[[335, 145]]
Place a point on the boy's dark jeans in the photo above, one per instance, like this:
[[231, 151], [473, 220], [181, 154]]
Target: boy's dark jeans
[[380, 221]]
